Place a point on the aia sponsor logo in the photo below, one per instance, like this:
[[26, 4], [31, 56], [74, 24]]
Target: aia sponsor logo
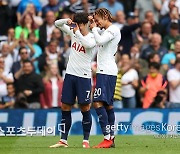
[[78, 47]]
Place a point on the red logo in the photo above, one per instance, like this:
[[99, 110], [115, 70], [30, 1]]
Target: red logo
[[78, 47]]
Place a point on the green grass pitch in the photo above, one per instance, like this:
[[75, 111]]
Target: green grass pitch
[[124, 145]]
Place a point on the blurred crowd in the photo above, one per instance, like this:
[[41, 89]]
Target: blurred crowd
[[34, 53]]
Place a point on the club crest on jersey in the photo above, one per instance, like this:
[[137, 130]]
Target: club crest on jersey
[[78, 47]]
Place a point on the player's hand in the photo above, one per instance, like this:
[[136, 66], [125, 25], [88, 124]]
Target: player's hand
[[76, 28], [90, 18], [69, 22], [92, 25]]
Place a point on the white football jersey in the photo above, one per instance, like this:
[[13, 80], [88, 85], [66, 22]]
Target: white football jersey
[[107, 43], [82, 48]]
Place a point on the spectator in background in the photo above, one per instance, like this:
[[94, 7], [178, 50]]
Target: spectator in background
[[8, 100], [142, 6], [27, 25], [30, 84], [159, 100], [58, 36], [170, 39], [37, 53], [140, 65], [168, 5], [66, 52], [118, 89], [112, 5], [13, 4], [154, 46], [173, 77], [144, 34], [178, 55], [6, 54], [83, 6], [149, 17], [23, 5], [17, 68], [172, 17], [11, 36], [120, 19], [128, 5], [151, 84], [5, 78], [67, 6], [52, 56], [168, 60], [53, 5], [5, 18], [31, 10], [10, 40], [51, 97], [129, 83], [155, 58], [128, 33], [21, 43], [45, 31]]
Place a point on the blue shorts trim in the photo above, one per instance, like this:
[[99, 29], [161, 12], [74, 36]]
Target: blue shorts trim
[[75, 86], [105, 86]]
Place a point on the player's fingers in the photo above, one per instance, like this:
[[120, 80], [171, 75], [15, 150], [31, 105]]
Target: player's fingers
[[69, 21]]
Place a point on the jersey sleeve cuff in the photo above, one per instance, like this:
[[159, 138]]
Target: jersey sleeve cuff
[[61, 22]]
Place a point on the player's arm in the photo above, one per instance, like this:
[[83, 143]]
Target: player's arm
[[86, 42], [62, 24], [104, 38]]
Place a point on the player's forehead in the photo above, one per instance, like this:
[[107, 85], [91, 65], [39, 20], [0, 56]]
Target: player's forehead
[[97, 17]]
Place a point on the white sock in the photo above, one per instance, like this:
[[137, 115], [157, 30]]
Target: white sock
[[86, 141], [107, 137], [64, 141]]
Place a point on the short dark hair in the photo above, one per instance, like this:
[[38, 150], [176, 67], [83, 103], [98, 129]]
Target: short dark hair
[[53, 41], [151, 56], [161, 92], [154, 65], [174, 26], [21, 48], [10, 84], [81, 18], [27, 61]]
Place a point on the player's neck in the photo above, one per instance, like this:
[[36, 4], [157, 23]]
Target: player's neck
[[107, 25], [84, 32]]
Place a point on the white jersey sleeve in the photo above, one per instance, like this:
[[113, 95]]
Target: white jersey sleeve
[[62, 24], [107, 43], [104, 38], [87, 43]]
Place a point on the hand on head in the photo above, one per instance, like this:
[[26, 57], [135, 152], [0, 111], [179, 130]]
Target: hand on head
[[92, 22]]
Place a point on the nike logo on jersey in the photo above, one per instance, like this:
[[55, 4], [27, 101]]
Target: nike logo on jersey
[[78, 47]]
